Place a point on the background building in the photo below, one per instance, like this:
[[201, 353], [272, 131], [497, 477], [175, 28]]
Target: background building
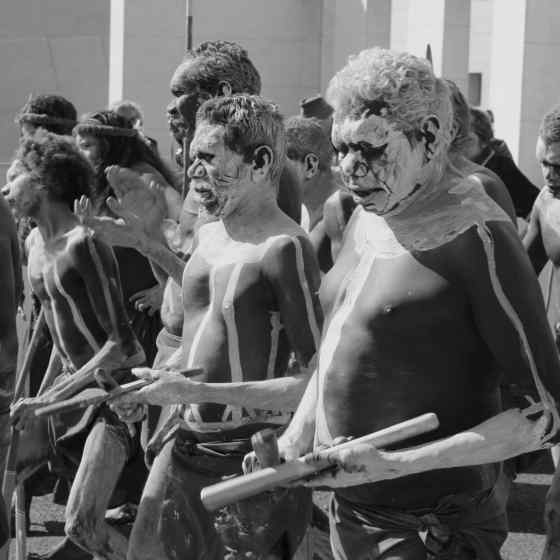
[[502, 53]]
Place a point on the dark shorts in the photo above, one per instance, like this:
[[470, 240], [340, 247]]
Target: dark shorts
[[460, 527], [250, 529]]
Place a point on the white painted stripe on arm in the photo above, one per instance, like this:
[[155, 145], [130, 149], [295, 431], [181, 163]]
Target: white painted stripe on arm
[[104, 286], [76, 315], [55, 317], [546, 398], [311, 318]]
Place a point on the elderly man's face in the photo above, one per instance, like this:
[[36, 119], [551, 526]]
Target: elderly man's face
[[218, 175], [379, 166], [188, 97]]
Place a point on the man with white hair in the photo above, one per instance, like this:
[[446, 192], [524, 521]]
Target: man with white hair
[[431, 300]]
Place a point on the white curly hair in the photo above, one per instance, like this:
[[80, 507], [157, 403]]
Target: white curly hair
[[397, 86]]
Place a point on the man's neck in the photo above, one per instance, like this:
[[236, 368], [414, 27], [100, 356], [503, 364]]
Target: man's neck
[[252, 214], [54, 220], [317, 194]]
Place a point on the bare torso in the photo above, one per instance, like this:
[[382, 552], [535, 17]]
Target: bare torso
[[403, 337], [238, 322], [56, 273]]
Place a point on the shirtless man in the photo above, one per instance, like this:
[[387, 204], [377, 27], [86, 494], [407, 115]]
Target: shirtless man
[[10, 296], [309, 154], [542, 241], [430, 296], [250, 298], [75, 277]]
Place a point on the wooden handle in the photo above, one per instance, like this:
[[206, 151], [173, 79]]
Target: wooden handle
[[218, 495]]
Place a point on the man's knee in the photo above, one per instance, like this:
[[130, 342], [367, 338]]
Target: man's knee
[[82, 530]]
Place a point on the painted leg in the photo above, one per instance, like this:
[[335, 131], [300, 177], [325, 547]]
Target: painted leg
[[102, 462], [171, 522]]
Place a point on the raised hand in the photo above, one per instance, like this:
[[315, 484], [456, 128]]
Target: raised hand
[[138, 197], [125, 231]]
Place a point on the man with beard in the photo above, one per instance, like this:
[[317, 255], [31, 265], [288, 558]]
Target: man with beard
[[250, 299], [431, 296], [76, 279]]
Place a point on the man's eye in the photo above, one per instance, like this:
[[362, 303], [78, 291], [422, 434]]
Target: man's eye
[[341, 149], [371, 152]]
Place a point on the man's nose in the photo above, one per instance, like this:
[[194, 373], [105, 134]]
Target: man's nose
[[5, 190], [352, 165], [196, 170], [172, 108]]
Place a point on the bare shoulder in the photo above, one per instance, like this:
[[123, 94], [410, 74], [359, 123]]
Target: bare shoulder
[[495, 243], [284, 251]]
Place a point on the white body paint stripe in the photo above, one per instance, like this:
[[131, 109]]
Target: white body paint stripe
[[228, 311], [198, 335], [311, 318], [76, 315], [332, 337], [55, 318], [104, 286], [275, 328], [547, 400]]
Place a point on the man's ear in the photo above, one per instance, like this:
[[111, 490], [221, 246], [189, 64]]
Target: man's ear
[[262, 161], [224, 88], [311, 165], [430, 134]]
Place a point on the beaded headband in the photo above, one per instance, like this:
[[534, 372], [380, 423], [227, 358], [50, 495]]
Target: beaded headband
[[40, 118], [104, 130]]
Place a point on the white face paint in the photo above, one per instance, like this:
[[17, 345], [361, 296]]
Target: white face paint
[[378, 164], [216, 173]]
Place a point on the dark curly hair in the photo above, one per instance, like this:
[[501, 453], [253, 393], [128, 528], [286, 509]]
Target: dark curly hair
[[549, 130], [49, 111], [56, 163], [121, 146], [222, 61]]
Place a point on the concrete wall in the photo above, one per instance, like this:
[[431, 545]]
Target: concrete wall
[[54, 46], [283, 40], [350, 26], [147, 43]]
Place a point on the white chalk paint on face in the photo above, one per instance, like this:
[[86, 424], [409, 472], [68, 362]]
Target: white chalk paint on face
[[216, 172], [379, 165]]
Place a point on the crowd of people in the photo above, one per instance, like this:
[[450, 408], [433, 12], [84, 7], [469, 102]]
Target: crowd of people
[[372, 259]]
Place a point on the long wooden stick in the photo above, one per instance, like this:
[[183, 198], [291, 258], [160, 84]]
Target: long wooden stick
[[95, 396], [241, 487], [9, 481]]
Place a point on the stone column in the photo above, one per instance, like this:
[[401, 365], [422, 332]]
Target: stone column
[[524, 77], [350, 26], [444, 24], [147, 41]]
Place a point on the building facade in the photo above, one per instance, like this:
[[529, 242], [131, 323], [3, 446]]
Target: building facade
[[502, 53]]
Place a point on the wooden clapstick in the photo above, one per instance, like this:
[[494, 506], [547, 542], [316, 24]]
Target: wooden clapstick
[[241, 487], [96, 395]]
